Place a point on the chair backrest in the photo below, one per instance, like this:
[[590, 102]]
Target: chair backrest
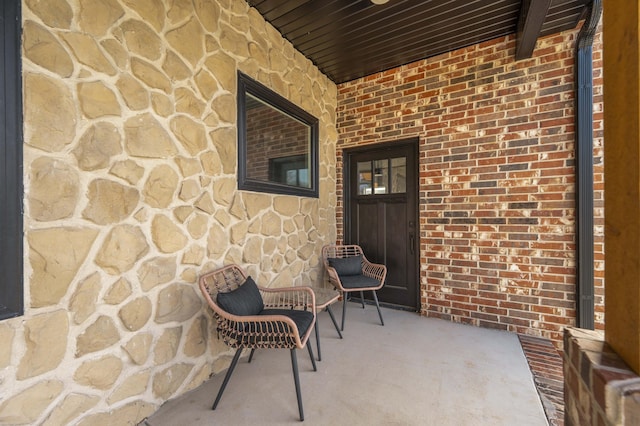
[[221, 280], [340, 251]]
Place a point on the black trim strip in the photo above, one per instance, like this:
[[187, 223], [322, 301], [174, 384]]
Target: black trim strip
[[11, 256], [584, 168]]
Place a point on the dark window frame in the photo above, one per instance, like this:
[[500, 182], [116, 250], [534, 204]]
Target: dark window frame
[[247, 85], [11, 245]]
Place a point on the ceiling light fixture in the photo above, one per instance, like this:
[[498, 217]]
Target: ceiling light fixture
[[379, 1]]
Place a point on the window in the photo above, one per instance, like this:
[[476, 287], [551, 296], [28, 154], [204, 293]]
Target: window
[[11, 292], [277, 143], [386, 176]]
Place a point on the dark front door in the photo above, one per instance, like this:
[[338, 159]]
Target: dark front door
[[381, 214]]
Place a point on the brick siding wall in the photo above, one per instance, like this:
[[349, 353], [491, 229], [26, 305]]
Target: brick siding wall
[[497, 197]]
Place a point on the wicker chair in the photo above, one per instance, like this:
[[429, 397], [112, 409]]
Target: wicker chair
[[350, 271], [259, 318]]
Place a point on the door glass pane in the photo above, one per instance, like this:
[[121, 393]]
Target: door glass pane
[[364, 178], [398, 175], [381, 176]]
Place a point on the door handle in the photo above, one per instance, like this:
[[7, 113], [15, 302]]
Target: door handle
[[412, 242]]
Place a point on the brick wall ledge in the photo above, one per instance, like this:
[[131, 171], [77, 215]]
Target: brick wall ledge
[[599, 387]]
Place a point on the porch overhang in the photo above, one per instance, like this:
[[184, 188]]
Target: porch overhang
[[350, 39]]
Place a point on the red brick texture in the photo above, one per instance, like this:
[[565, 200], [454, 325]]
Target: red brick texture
[[599, 387], [497, 195]]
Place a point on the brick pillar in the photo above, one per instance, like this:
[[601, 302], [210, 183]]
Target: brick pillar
[[621, 31]]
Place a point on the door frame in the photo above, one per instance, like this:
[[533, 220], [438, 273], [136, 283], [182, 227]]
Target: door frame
[[414, 144]]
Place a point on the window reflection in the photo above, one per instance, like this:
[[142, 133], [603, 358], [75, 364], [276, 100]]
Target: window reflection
[[398, 175], [364, 178], [380, 176], [277, 145], [292, 170]]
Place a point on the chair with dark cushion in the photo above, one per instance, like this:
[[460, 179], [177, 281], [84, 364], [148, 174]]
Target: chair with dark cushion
[[350, 271], [252, 317]]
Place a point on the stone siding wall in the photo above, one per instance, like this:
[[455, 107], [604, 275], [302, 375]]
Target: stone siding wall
[[130, 163], [497, 194]]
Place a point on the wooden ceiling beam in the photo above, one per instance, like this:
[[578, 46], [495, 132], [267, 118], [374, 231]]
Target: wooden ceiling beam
[[532, 16]]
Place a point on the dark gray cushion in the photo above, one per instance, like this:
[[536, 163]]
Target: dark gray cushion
[[358, 281], [346, 266], [303, 319], [245, 300]]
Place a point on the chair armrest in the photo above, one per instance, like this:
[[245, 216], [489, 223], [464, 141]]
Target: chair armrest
[[374, 270], [334, 278]]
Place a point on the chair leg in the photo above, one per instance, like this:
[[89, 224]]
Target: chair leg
[[251, 354], [313, 359], [294, 365], [375, 297], [344, 309], [236, 357], [335, 324], [317, 340], [362, 298]]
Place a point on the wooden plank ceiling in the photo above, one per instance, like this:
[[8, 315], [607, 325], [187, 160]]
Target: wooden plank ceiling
[[349, 39]]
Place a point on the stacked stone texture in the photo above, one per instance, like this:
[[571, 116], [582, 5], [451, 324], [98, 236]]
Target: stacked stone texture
[[497, 178], [130, 166]]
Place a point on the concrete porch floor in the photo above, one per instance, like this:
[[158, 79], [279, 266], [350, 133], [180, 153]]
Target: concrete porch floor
[[412, 371]]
